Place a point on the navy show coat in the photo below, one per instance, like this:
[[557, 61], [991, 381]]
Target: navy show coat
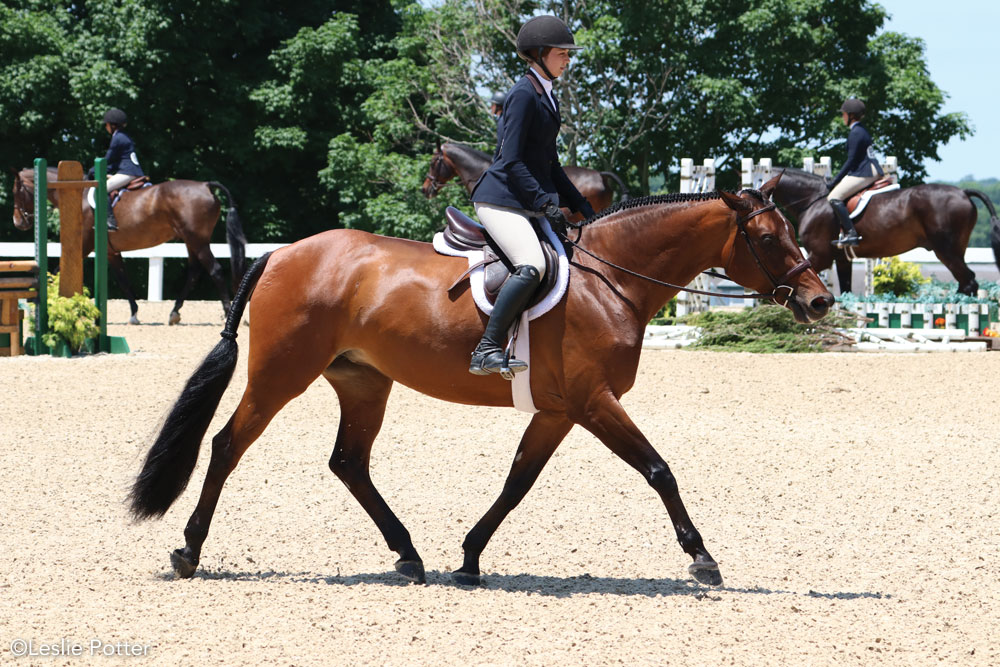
[[860, 158], [121, 156], [525, 172]]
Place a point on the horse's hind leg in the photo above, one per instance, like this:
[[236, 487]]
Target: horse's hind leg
[[363, 393], [190, 278], [606, 419], [539, 441], [214, 269], [953, 258], [272, 383]]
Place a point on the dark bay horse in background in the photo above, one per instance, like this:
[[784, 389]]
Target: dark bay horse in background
[[457, 160], [180, 209], [364, 311], [932, 216]]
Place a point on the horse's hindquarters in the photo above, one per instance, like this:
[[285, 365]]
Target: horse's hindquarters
[[374, 301]]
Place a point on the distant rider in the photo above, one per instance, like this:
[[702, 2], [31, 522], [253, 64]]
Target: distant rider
[[859, 171], [123, 165], [525, 182], [496, 108]]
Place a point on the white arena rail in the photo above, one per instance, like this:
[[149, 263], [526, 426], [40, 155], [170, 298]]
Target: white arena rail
[[155, 255]]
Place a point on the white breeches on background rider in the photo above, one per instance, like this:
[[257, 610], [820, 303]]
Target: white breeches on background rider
[[850, 185], [115, 181], [511, 228]]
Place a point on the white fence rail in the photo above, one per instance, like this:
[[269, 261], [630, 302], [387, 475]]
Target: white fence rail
[[155, 255]]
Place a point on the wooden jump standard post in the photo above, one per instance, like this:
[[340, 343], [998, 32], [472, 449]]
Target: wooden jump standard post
[[71, 186]]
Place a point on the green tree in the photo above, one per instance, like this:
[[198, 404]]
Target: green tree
[[991, 188]]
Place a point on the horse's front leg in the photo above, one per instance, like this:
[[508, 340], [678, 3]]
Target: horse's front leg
[[539, 441], [121, 277], [606, 419]]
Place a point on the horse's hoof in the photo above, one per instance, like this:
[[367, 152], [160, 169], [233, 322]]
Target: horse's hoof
[[183, 568], [175, 317], [706, 573], [133, 320], [465, 578], [412, 570]]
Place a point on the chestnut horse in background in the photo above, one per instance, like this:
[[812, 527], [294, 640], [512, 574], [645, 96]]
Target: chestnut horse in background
[[932, 216], [365, 311], [468, 164], [179, 209]]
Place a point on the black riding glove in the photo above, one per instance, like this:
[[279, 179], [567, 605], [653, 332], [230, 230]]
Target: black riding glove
[[556, 219], [587, 211]]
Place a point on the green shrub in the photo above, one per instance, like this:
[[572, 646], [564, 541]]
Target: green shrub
[[72, 319], [897, 277], [765, 329], [667, 314]]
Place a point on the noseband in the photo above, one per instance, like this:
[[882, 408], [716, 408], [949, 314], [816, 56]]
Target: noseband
[[436, 185]]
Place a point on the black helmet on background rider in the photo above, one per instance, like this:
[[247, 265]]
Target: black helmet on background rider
[[498, 98], [854, 107], [540, 32], [115, 117]]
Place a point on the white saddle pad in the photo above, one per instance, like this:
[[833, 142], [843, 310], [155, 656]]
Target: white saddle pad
[[868, 194], [521, 384]]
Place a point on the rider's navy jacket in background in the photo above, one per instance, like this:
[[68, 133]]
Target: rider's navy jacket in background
[[526, 173], [121, 156], [859, 161]]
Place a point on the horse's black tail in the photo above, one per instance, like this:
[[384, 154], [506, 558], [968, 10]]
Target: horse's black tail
[[620, 182], [172, 457], [994, 222], [234, 235]]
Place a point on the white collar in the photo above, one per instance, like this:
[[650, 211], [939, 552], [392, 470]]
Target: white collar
[[546, 85], [851, 126]]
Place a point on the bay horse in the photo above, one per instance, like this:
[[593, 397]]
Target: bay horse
[[932, 216], [178, 209], [452, 160], [364, 311]]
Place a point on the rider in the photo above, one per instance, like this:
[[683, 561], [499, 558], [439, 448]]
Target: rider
[[496, 108], [123, 165], [524, 182], [860, 170]]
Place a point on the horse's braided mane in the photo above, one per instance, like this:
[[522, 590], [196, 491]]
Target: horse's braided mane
[[672, 198]]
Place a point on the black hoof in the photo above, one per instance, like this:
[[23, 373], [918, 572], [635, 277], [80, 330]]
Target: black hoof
[[412, 570], [465, 578], [183, 567], [175, 317], [706, 573]]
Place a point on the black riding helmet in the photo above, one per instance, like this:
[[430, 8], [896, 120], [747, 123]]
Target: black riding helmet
[[854, 107], [498, 98], [540, 32], [115, 117]]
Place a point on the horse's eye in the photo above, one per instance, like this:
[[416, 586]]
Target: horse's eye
[[769, 241]]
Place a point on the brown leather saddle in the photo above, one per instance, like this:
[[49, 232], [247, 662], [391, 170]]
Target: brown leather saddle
[[464, 233], [852, 203], [136, 183]]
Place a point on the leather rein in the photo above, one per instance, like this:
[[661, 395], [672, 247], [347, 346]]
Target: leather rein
[[741, 221]]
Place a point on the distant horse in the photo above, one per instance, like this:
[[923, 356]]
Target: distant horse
[[931, 216], [185, 210], [468, 164], [365, 311]]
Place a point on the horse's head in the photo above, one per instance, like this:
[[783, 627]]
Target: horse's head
[[764, 255], [439, 173], [24, 199]]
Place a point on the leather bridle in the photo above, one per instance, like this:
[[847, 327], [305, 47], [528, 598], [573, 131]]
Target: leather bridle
[[778, 284]]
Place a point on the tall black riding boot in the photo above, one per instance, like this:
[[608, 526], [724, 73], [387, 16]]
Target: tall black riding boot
[[513, 297], [850, 235], [112, 223]]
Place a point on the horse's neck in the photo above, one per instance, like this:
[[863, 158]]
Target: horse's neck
[[669, 242], [797, 190], [469, 164]]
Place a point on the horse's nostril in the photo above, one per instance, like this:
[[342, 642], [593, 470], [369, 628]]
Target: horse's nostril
[[820, 304]]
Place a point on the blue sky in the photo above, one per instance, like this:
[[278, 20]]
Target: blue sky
[[961, 39]]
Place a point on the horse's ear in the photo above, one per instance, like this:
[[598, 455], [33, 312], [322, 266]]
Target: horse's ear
[[768, 188], [735, 202]]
